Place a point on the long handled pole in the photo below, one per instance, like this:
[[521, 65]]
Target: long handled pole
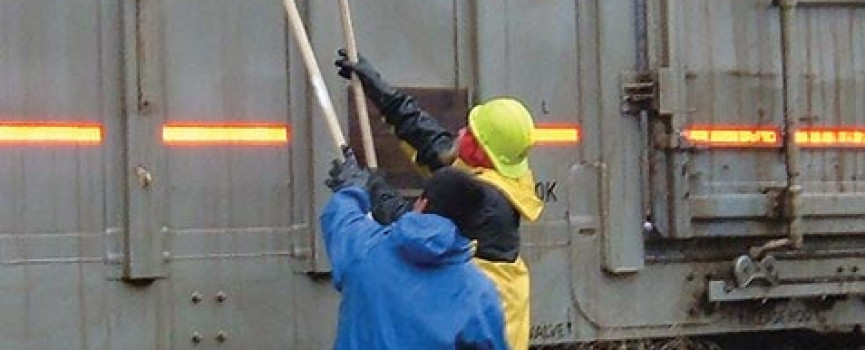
[[315, 78], [357, 88]]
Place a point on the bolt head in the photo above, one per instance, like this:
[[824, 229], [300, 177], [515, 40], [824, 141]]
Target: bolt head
[[221, 336], [196, 337]]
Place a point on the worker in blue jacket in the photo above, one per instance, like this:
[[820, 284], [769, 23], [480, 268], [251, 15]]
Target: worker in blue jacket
[[410, 284]]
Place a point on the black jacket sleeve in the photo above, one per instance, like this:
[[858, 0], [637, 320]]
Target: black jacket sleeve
[[434, 144]]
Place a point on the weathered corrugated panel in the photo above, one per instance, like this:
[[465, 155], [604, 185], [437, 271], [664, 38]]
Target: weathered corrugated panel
[[730, 56], [832, 71], [731, 51]]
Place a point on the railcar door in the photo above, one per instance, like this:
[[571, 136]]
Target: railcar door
[[759, 131], [220, 184]]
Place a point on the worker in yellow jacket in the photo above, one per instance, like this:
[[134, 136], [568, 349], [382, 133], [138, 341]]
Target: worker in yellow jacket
[[494, 146]]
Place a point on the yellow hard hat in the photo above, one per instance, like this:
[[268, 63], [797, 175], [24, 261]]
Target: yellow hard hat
[[504, 128]]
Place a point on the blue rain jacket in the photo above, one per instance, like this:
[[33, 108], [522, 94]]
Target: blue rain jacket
[[408, 285]]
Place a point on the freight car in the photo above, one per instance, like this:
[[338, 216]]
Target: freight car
[[702, 163]]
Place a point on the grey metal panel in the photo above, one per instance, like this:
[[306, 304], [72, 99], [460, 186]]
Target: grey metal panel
[[231, 213], [762, 206], [52, 198], [61, 61], [621, 149], [61, 306], [50, 60], [145, 109], [254, 310], [114, 166], [225, 63], [806, 3], [412, 43], [550, 263]]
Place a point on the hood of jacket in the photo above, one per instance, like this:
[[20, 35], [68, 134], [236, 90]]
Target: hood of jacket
[[429, 239], [519, 191]]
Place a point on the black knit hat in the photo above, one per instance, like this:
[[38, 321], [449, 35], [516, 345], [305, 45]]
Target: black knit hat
[[455, 195]]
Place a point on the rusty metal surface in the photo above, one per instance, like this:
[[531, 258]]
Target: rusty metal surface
[[720, 292], [729, 79], [730, 56], [831, 84]]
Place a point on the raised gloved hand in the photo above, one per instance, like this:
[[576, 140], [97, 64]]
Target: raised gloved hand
[[347, 173], [364, 70], [378, 90]]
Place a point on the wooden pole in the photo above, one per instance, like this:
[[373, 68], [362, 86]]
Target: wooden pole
[[357, 88], [315, 78]]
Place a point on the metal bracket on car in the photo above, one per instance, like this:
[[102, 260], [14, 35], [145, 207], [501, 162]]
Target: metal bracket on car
[[720, 291], [638, 92], [748, 271], [760, 281]]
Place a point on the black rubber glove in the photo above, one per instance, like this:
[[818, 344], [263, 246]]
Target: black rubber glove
[[347, 173], [363, 68], [376, 89], [387, 204]]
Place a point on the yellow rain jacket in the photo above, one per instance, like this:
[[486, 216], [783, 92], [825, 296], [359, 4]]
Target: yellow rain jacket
[[511, 278]]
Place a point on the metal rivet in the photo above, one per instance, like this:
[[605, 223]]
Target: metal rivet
[[196, 297], [166, 256], [690, 277], [840, 269], [221, 336], [196, 337], [855, 269], [221, 296]]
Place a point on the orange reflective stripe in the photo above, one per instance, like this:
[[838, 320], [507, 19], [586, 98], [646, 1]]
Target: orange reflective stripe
[[238, 134], [50, 133], [733, 136], [830, 137], [552, 134]]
